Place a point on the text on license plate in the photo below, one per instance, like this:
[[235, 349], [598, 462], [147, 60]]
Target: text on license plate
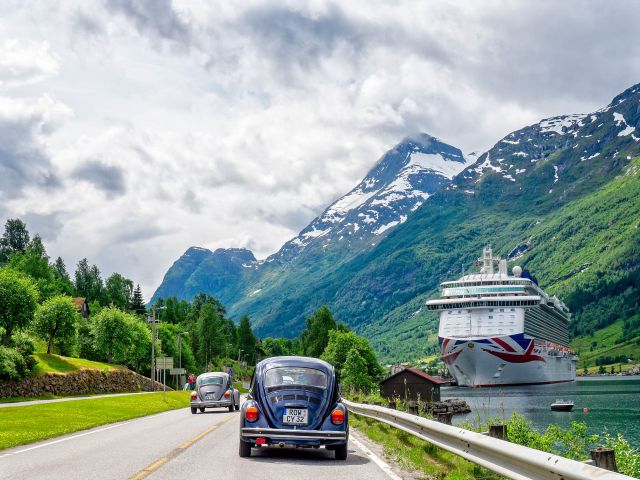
[[295, 416], [209, 396]]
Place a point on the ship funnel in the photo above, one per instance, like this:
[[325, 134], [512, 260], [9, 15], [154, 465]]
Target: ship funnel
[[487, 260], [502, 267]]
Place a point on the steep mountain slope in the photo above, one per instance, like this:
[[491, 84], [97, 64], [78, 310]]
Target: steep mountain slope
[[561, 196], [396, 186]]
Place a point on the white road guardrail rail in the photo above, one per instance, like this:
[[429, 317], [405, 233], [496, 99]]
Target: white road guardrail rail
[[506, 458]]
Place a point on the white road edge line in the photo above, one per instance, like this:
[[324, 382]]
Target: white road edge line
[[90, 432], [384, 466]]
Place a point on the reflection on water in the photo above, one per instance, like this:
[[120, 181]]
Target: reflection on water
[[612, 402]]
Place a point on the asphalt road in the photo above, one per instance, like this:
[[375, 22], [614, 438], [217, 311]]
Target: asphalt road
[[177, 444]]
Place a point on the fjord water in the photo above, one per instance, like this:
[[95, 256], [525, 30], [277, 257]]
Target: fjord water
[[613, 403]]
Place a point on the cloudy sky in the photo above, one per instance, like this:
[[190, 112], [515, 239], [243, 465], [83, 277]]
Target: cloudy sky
[[131, 130]]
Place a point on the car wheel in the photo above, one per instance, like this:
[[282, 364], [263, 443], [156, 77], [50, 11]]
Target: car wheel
[[341, 452], [238, 406], [245, 449], [201, 409], [231, 407], [194, 410]]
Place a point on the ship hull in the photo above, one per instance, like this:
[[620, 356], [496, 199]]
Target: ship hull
[[505, 360]]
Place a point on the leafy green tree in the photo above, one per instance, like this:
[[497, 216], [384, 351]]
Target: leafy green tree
[[246, 339], [86, 339], [176, 312], [14, 239], [339, 346], [208, 332], [118, 291], [355, 376], [275, 347], [316, 337], [88, 282], [34, 262], [140, 347], [193, 318], [18, 301], [56, 319], [136, 304], [111, 334], [64, 285]]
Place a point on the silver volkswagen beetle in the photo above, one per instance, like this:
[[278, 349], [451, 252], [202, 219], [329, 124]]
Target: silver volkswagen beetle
[[214, 390]]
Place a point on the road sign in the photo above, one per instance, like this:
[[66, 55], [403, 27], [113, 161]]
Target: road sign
[[178, 371], [164, 363], [151, 320]]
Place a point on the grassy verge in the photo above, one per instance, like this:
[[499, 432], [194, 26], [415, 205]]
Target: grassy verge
[[417, 455], [22, 425], [58, 364]]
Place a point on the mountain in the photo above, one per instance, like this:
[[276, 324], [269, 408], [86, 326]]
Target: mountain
[[397, 185], [561, 197]]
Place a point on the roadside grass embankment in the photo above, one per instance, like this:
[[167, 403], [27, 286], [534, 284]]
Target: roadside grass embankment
[[414, 454], [51, 363], [28, 424]]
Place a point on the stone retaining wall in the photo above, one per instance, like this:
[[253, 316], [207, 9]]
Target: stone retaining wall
[[81, 382]]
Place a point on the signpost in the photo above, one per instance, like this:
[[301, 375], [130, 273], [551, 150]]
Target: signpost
[[178, 374], [164, 364]]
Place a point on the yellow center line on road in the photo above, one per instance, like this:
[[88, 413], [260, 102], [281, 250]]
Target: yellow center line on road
[[148, 470]]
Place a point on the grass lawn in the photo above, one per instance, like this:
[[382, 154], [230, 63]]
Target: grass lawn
[[59, 364], [22, 425], [417, 455]]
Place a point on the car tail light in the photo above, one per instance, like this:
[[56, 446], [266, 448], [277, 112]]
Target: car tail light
[[194, 395], [227, 394], [337, 417], [261, 441], [251, 414]]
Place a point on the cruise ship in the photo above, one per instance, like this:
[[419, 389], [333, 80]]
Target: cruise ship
[[500, 329]]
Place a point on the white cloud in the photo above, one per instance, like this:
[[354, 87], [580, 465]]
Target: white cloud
[[171, 124]]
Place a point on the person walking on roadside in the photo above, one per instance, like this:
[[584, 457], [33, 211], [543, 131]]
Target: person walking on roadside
[[192, 381]]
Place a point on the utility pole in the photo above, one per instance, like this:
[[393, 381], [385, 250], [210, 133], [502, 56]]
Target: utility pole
[[153, 348]]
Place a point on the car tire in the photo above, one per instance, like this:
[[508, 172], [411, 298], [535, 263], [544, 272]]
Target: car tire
[[194, 410], [201, 409], [245, 449], [237, 406], [231, 407], [341, 452]]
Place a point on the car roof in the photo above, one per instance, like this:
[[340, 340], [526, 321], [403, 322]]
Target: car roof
[[295, 361], [213, 374]]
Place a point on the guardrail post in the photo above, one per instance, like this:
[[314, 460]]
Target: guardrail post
[[392, 405], [498, 431], [412, 407], [604, 458], [445, 417]]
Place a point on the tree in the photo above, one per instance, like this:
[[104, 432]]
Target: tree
[[246, 339], [208, 332], [63, 282], [136, 304], [18, 302], [14, 239], [315, 338], [56, 319], [140, 347], [275, 347], [355, 376], [88, 282], [340, 343], [111, 334], [118, 291], [34, 262]]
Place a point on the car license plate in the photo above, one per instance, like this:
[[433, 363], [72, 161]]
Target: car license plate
[[295, 416], [209, 396]]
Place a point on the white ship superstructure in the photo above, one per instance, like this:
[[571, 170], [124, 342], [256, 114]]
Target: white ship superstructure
[[501, 329]]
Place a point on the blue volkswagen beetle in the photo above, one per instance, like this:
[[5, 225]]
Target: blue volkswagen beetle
[[294, 402]]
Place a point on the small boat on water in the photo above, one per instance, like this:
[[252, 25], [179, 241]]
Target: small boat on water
[[562, 405]]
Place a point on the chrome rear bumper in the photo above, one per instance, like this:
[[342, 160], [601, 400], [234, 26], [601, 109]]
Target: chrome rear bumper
[[290, 434]]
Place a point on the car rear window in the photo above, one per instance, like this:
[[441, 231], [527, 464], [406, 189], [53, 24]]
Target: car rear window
[[279, 376], [211, 381]]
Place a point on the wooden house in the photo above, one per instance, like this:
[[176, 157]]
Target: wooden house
[[409, 384]]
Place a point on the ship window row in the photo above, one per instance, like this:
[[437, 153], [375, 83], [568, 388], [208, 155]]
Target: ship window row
[[484, 303], [524, 282]]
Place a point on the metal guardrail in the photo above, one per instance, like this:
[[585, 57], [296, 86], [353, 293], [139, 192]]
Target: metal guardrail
[[506, 458]]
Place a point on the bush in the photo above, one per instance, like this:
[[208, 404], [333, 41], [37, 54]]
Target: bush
[[25, 346], [627, 457], [12, 365]]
